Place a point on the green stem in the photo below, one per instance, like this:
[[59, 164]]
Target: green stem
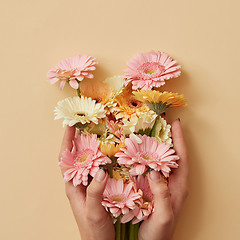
[[127, 231], [118, 229], [136, 228], [78, 92], [131, 232], [123, 230]]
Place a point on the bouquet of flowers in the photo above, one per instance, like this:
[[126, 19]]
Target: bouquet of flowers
[[121, 127]]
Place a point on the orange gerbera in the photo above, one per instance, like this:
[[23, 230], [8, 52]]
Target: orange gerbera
[[110, 149], [97, 90], [160, 101], [127, 104]]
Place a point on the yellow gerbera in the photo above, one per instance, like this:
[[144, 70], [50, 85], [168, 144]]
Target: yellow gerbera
[[97, 90], [160, 101], [127, 104], [110, 149], [121, 173]]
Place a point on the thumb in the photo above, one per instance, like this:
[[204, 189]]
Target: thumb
[[162, 201], [95, 194]]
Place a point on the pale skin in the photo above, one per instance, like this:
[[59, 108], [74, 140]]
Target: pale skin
[[95, 223]]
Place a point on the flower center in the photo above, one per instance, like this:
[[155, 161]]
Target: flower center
[[81, 114], [82, 157], [146, 157], [117, 199], [98, 99], [151, 68], [149, 71], [133, 103]]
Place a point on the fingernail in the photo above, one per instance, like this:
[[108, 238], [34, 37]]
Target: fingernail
[[178, 119], [154, 175], [100, 175]]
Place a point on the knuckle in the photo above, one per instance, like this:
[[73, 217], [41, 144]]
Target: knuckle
[[167, 220], [163, 192], [92, 192], [93, 219], [70, 192]]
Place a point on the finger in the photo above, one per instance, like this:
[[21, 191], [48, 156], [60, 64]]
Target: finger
[[76, 196], [162, 201], [181, 151], [94, 196], [67, 140], [178, 180]]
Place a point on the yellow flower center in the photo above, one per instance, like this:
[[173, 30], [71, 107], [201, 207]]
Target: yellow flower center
[[146, 157], [82, 157], [117, 199], [149, 71]]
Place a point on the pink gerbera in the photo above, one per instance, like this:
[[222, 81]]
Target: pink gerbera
[[116, 128], [142, 212], [84, 159], [150, 69], [149, 153], [120, 198], [72, 70]]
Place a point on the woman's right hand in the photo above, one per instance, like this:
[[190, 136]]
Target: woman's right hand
[[168, 199]]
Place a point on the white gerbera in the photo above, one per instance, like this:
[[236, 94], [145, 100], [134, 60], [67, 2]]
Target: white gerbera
[[162, 131], [76, 109], [136, 123]]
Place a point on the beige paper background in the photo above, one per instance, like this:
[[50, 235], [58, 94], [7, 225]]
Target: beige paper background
[[202, 35]]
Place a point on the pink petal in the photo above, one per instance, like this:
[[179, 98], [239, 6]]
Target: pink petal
[[62, 84], [73, 84]]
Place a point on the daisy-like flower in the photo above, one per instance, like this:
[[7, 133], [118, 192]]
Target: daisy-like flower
[[142, 212], [127, 104], [148, 153], [110, 149], [120, 172], [162, 131], [79, 110], [119, 198], [115, 128], [160, 101], [97, 90], [136, 124], [72, 70], [150, 69], [83, 160]]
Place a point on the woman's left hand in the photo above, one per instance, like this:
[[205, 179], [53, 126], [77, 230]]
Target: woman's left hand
[[92, 219]]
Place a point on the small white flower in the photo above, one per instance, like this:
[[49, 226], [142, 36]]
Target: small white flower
[[162, 131], [75, 109], [136, 123]]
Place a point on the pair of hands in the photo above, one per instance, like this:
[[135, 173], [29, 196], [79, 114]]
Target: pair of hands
[[95, 223]]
